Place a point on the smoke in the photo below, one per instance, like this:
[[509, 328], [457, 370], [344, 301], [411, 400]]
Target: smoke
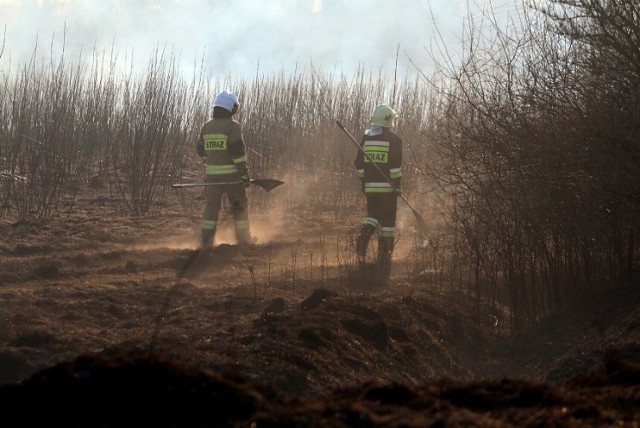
[[238, 38]]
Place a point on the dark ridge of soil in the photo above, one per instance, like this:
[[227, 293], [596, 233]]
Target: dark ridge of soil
[[115, 321], [148, 389]]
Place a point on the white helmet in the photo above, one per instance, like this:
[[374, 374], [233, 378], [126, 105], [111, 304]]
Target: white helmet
[[227, 100]]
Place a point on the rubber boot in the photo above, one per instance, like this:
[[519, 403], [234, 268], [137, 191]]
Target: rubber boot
[[362, 242], [244, 237], [206, 238], [383, 260]]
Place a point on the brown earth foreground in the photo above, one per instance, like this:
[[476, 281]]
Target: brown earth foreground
[[113, 321]]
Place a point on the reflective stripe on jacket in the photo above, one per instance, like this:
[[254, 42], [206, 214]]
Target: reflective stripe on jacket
[[381, 167], [222, 149]]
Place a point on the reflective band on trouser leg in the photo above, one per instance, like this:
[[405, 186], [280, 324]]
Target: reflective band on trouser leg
[[221, 169], [378, 188], [370, 221], [241, 224], [208, 224], [387, 232]]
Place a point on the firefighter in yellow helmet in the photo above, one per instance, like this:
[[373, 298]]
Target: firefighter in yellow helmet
[[379, 166], [222, 148]]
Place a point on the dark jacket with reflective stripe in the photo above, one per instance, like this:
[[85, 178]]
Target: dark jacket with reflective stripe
[[222, 148], [385, 151]]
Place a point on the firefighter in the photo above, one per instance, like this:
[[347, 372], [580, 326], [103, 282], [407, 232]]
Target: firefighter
[[378, 165], [222, 149]]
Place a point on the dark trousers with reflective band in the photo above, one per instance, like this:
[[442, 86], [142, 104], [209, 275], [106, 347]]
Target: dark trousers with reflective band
[[237, 195], [382, 207], [381, 216]]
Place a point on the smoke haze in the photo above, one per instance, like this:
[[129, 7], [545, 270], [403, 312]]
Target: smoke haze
[[242, 37]]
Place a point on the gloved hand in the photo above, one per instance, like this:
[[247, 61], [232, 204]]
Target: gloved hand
[[398, 191], [244, 178]]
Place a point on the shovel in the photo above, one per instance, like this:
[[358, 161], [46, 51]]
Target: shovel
[[266, 183]]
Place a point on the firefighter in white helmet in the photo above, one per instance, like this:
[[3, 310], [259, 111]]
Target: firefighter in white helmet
[[222, 148], [379, 166]]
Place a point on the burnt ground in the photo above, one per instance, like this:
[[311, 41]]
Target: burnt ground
[[109, 320]]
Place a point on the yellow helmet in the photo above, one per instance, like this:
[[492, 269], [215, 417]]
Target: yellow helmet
[[383, 115]]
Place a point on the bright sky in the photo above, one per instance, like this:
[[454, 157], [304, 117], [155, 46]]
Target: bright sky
[[241, 36]]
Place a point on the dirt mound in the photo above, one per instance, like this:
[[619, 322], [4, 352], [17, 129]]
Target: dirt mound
[[150, 390], [122, 323]]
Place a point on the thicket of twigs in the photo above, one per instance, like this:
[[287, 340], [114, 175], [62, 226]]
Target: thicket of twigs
[[538, 137], [527, 147]]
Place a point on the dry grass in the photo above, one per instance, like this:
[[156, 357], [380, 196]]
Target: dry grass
[[521, 155]]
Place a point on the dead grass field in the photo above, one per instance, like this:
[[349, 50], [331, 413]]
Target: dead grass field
[[103, 324]]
